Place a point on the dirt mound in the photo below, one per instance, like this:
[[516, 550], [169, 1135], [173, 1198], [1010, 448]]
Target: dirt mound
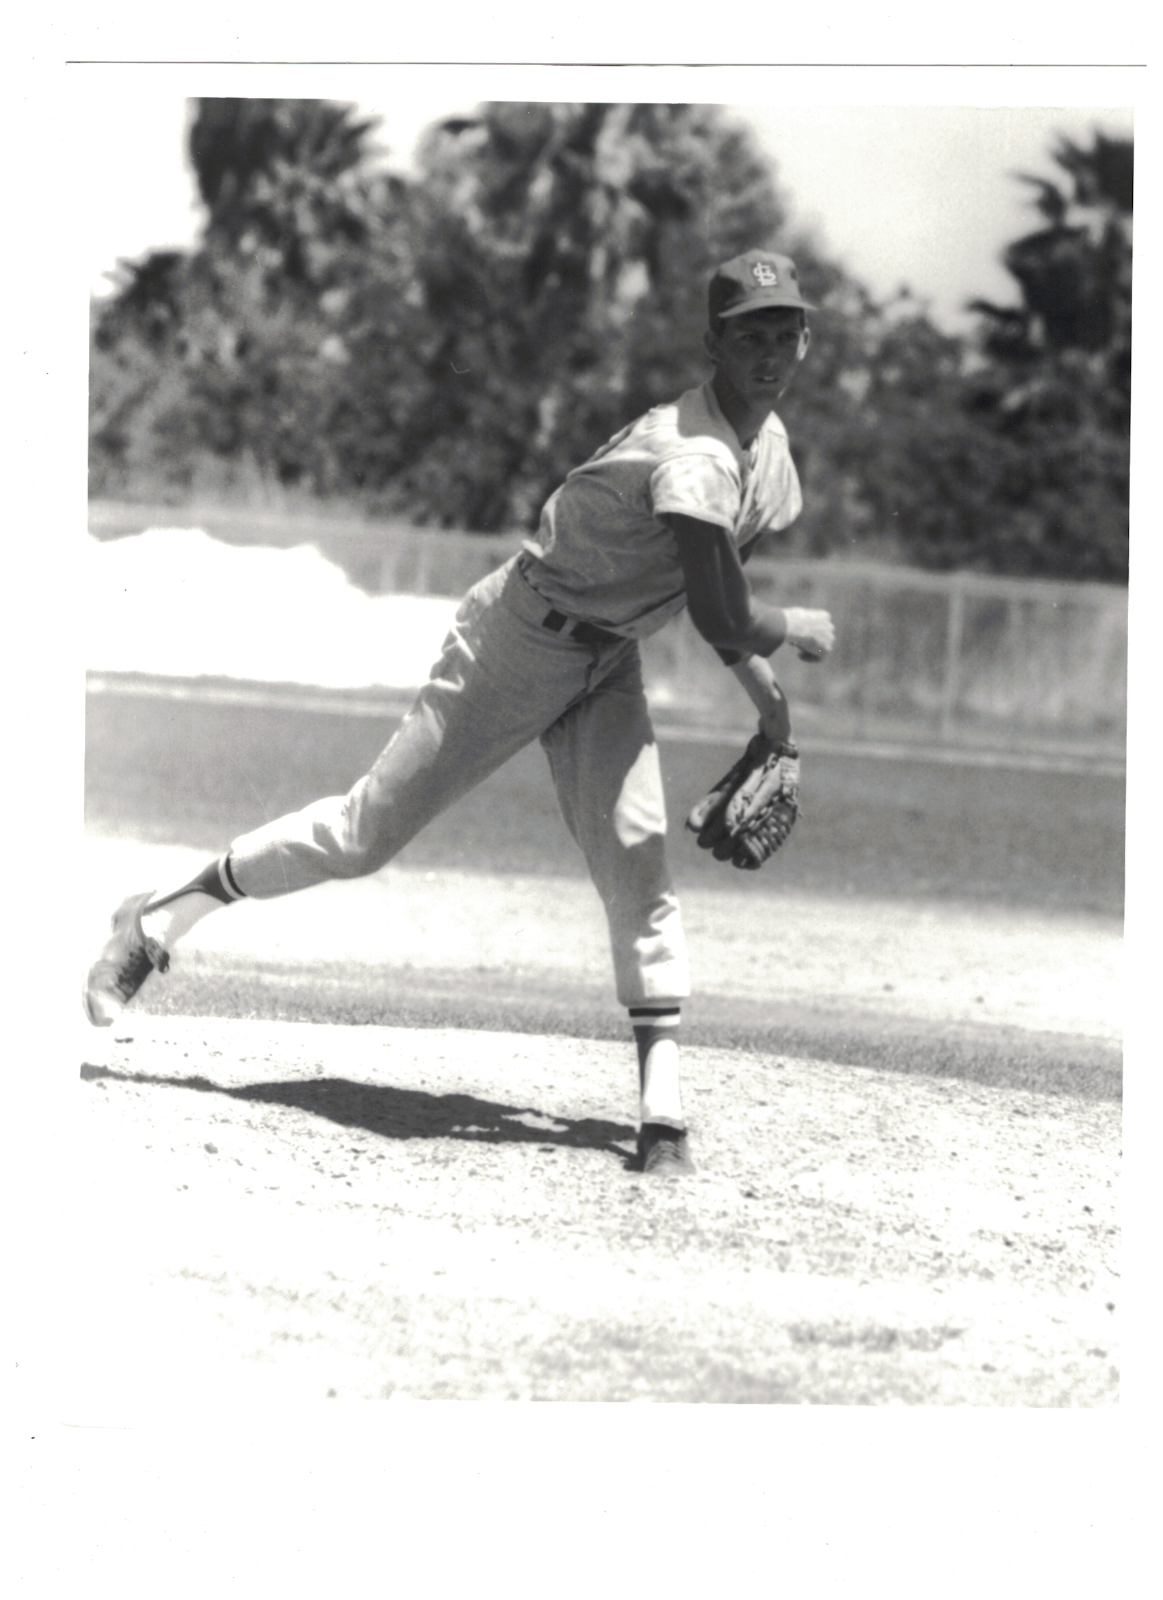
[[299, 1212]]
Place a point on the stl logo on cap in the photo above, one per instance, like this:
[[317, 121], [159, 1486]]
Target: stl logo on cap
[[758, 280]]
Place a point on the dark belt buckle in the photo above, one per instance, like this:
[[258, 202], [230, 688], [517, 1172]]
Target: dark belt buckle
[[590, 633]]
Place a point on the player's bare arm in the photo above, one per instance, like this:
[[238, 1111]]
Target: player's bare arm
[[759, 684], [723, 606]]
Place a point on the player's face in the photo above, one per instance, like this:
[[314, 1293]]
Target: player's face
[[756, 355]]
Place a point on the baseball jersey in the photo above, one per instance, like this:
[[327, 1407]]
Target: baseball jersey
[[603, 555]]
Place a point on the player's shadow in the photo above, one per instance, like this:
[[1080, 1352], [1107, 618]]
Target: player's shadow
[[394, 1113]]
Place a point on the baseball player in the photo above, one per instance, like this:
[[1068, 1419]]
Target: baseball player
[[661, 517]]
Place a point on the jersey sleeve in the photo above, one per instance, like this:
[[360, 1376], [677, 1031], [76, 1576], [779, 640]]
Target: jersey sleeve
[[701, 486]]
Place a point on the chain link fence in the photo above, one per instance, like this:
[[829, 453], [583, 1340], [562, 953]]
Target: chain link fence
[[956, 658], [953, 659]]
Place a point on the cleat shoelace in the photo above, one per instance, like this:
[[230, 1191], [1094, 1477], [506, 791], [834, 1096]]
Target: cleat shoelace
[[142, 961], [145, 956]]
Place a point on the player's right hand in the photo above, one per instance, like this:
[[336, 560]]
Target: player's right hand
[[810, 632]]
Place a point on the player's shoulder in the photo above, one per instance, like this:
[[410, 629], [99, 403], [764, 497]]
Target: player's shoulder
[[694, 425]]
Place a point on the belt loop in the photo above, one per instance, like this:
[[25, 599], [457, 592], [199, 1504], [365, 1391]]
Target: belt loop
[[554, 621]]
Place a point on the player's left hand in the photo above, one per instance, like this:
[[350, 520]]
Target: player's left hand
[[749, 813]]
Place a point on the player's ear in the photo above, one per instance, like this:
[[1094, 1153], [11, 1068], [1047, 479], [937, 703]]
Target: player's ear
[[805, 341], [711, 343]]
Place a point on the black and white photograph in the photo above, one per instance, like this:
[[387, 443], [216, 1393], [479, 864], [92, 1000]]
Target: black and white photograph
[[547, 933], [497, 923]]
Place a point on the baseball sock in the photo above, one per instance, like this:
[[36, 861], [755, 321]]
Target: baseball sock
[[171, 916], [656, 1035]]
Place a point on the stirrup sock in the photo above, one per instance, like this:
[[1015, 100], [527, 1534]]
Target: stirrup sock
[[171, 916], [656, 1036], [215, 879]]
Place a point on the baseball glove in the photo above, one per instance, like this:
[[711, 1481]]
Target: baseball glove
[[751, 810]]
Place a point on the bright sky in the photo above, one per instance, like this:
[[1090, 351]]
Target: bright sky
[[921, 195]]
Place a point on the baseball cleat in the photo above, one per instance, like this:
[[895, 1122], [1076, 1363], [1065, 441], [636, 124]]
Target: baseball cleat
[[664, 1152], [124, 964]]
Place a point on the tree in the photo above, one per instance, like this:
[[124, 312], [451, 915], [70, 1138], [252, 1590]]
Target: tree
[[282, 180], [448, 348], [1011, 458], [1075, 274], [563, 275], [1055, 388], [238, 352], [891, 463]]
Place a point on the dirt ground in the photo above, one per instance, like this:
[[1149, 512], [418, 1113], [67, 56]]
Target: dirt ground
[[309, 1211], [943, 963]]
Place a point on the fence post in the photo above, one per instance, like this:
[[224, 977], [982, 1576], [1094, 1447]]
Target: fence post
[[423, 563], [389, 562], [954, 629]]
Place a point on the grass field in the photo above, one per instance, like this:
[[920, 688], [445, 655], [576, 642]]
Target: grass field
[[903, 1074]]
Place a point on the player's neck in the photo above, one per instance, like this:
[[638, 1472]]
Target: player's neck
[[745, 419]]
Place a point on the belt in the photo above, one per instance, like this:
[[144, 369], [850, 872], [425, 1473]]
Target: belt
[[583, 632]]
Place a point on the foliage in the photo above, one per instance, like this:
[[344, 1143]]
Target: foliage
[[565, 273], [448, 347], [1016, 461], [238, 352], [888, 456], [1055, 394], [281, 182]]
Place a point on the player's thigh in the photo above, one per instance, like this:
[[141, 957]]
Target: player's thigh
[[499, 682], [604, 759]]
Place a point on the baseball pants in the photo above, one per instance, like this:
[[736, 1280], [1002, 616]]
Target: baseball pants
[[503, 679]]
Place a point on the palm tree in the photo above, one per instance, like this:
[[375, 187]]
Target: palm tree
[[570, 267], [1055, 389], [280, 179], [1074, 274]]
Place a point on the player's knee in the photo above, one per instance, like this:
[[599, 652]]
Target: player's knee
[[359, 839], [354, 849], [358, 858]]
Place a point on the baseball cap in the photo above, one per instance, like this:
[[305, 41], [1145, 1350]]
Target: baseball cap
[[755, 281]]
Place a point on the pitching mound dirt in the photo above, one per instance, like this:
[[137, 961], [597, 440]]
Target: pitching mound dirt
[[298, 1211]]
